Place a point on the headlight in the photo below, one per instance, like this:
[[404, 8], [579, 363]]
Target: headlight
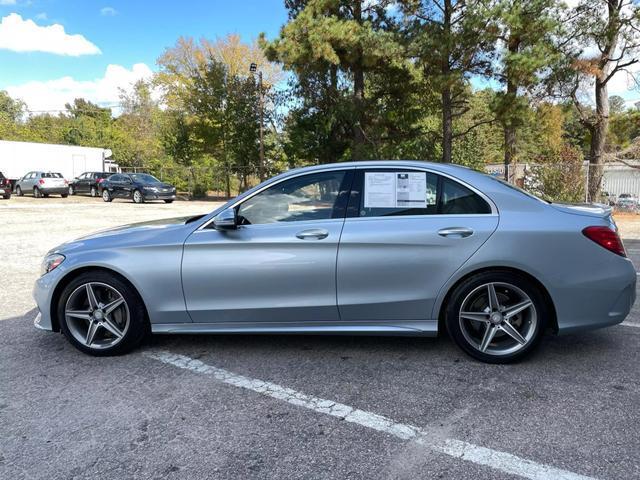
[[51, 262]]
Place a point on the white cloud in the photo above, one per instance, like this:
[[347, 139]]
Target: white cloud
[[108, 12], [7, 2], [51, 95], [21, 35]]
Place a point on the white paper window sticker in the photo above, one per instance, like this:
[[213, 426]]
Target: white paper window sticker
[[395, 190]]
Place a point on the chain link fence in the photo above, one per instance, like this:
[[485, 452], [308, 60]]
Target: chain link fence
[[560, 182]]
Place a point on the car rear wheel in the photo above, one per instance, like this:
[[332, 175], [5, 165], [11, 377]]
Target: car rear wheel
[[168, 201], [106, 196], [94, 192], [138, 197], [64, 195], [497, 317], [100, 314], [19, 191]]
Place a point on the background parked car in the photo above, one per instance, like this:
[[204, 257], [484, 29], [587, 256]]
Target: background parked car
[[43, 184], [140, 187], [627, 202], [88, 182], [5, 187]]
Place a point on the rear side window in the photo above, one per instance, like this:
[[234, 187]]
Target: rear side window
[[51, 175], [457, 199], [398, 192]]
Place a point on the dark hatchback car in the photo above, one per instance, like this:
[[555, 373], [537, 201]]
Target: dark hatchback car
[[88, 182], [5, 187], [140, 187]]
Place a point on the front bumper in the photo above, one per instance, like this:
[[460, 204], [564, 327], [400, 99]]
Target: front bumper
[[42, 294], [159, 195]]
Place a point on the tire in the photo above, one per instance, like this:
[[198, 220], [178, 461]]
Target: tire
[[7, 196], [72, 190], [93, 192], [168, 201], [106, 196], [19, 191], [485, 336], [137, 196], [128, 318], [64, 195], [36, 192]]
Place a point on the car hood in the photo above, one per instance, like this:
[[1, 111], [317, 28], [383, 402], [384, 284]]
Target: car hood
[[588, 209], [168, 230]]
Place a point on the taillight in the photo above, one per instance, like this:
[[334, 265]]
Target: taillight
[[606, 238], [66, 182], [100, 180], [41, 181]]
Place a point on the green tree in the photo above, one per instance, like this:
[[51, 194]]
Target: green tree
[[452, 42], [611, 29], [334, 45], [527, 32]]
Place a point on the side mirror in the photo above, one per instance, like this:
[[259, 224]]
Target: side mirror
[[226, 220]]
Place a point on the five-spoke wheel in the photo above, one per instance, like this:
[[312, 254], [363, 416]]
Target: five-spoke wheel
[[496, 316], [102, 314]]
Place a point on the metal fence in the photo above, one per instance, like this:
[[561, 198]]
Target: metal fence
[[553, 181]]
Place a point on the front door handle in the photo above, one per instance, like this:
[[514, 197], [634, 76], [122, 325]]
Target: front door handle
[[313, 234], [456, 232]]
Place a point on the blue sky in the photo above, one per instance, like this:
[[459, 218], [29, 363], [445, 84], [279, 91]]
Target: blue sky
[[52, 51], [125, 32]]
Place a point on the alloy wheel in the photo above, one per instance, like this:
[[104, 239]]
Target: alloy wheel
[[97, 315], [498, 319], [137, 196]]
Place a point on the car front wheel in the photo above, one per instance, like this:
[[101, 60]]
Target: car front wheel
[[101, 314], [19, 191], [138, 197], [71, 190], [106, 196], [94, 192], [497, 317]]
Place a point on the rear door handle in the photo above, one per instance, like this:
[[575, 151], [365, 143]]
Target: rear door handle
[[313, 234], [456, 232]]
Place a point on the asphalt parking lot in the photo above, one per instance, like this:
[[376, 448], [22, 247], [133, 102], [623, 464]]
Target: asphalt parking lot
[[298, 406]]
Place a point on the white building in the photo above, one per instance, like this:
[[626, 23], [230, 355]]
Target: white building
[[18, 158]]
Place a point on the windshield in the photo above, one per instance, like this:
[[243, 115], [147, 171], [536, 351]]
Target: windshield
[[518, 189], [144, 178]]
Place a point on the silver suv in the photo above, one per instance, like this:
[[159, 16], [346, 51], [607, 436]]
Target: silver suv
[[42, 184]]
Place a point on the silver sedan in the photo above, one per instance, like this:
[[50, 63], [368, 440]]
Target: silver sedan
[[375, 248]]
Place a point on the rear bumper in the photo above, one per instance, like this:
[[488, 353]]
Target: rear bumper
[[5, 191], [54, 190], [603, 300]]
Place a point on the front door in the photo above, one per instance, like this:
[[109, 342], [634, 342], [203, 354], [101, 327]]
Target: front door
[[405, 234], [279, 265]]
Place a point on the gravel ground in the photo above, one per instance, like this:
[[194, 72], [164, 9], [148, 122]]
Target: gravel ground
[[574, 405], [33, 226]]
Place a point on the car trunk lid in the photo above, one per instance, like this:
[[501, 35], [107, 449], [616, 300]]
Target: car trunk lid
[[596, 210]]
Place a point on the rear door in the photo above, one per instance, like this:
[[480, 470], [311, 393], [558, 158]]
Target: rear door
[[407, 231]]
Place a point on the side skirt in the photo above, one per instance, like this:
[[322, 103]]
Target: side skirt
[[425, 328]]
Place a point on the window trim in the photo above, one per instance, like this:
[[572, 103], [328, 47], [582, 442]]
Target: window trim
[[440, 175]]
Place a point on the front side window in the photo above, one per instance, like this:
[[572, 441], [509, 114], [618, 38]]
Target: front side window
[[318, 196]]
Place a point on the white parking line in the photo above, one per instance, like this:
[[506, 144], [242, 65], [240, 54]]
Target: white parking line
[[629, 324], [498, 460]]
